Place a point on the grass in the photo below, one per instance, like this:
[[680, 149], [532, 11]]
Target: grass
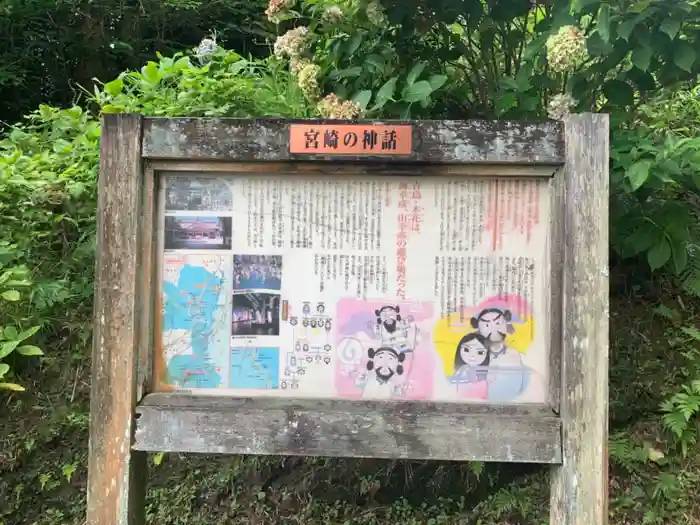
[[43, 455]]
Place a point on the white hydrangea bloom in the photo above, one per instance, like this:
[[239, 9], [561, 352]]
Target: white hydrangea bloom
[[566, 49], [333, 15], [333, 107], [292, 44], [560, 106], [276, 8], [307, 79]]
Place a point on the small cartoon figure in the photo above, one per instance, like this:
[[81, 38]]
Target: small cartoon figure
[[471, 366], [493, 324], [386, 362], [392, 329], [471, 358], [383, 367], [507, 376]]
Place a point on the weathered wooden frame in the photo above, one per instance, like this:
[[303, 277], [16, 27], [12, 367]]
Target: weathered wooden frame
[[128, 418]]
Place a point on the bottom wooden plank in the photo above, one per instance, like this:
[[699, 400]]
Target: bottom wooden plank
[[343, 428]]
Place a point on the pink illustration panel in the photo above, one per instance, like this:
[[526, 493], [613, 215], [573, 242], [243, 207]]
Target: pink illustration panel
[[384, 350]]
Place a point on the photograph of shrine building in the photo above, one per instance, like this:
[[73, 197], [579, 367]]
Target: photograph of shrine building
[[197, 233]]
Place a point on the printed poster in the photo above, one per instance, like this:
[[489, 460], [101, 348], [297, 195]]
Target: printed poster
[[430, 288]]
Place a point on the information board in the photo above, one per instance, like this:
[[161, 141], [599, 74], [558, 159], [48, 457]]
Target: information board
[[431, 288]]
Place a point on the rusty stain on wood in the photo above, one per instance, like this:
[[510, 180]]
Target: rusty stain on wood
[[115, 490], [373, 169], [578, 488], [447, 142]]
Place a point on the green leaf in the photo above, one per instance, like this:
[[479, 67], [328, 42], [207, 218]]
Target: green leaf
[[670, 27], [415, 73], [375, 61], [362, 98], [504, 102], [7, 348], [10, 295], [509, 83], [114, 87], [437, 81], [659, 254], [638, 173], [618, 92], [641, 57], [4, 369], [417, 92], [691, 331], [29, 350], [10, 333], [604, 22], [345, 73], [684, 56], [150, 72], [670, 166], [11, 386], [26, 334], [641, 240], [354, 44], [597, 47], [385, 93], [680, 255], [624, 30]]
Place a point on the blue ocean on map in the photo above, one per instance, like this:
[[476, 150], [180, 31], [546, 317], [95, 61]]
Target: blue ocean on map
[[256, 367], [191, 305]]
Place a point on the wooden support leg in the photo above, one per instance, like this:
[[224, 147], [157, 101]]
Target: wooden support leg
[[579, 487], [117, 475]]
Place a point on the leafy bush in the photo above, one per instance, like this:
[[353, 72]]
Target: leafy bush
[[47, 47], [356, 58]]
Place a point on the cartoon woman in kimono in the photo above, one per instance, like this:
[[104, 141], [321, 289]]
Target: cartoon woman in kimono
[[471, 366]]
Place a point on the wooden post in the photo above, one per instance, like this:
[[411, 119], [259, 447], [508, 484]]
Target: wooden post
[[578, 490], [117, 476]]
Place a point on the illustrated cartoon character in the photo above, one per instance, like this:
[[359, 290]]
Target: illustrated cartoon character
[[385, 364], [392, 330], [506, 373], [471, 366]]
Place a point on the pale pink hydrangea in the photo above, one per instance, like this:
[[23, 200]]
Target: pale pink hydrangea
[[293, 43]]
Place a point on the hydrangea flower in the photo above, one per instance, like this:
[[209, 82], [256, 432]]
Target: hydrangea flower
[[333, 15], [560, 106], [276, 8], [566, 49], [206, 47], [375, 14], [293, 43], [333, 107], [307, 79]]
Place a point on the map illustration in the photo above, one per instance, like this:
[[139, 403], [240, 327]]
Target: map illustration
[[255, 367], [196, 320]]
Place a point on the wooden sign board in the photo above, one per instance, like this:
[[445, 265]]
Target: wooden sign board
[[420, 290]]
